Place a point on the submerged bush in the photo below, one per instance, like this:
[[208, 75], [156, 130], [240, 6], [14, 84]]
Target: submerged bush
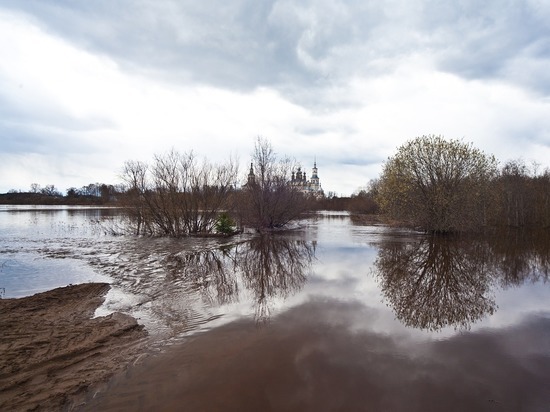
[[225, 224], [176, 195], [438, 185]]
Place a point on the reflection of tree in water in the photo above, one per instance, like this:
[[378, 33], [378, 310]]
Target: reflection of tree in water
[[437, 282], [267, 266], [209, 271], [273, 266], [521, 255]]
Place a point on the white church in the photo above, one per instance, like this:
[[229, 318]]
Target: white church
[[310, 187]]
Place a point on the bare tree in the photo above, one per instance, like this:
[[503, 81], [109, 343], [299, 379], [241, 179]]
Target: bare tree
[[50, 190], [523, 196], [269, 201], [134, 175]]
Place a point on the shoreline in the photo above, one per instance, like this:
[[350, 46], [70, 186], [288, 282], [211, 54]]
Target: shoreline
[[54, 353]]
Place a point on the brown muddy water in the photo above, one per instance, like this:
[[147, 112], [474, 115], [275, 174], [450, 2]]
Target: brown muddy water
[[332, 316]]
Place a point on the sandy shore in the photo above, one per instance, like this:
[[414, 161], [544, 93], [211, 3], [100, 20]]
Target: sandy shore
[[52, 351]]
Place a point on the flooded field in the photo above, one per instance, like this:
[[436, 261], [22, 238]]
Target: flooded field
[[334, 315]]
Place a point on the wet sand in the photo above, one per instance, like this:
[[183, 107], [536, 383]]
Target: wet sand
[[53, 353]]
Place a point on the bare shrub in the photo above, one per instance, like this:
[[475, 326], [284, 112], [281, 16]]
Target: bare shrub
[[177, 195]]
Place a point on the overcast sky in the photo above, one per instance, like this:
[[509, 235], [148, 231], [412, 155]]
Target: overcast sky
[[86, 85]]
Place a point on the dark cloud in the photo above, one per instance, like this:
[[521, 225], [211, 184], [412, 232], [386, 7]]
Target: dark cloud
[[14, 140], [18, 140], [479, 41], [300, 46], [50, 131], [220, 43], [364, 160], [238, 45]]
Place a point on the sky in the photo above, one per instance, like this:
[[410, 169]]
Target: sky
[[87, 85]]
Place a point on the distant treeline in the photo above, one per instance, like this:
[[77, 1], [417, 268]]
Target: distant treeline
[[92, 194], [108, 194]]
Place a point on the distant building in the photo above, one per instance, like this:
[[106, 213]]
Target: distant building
[[251, 176], [298, 180], [310, 187]]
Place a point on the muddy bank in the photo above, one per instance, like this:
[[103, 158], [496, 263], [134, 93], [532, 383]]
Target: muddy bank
[[52, 352]]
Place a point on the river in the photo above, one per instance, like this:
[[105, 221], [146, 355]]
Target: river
[[332, 315]]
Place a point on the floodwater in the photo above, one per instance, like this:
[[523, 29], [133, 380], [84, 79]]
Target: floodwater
[[335, 315]]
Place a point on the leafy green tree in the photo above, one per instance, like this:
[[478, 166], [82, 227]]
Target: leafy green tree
[[437, 185]]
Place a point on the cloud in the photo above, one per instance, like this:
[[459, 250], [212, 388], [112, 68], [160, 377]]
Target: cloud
[[345, 82], [483, 41], [287, 45]]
